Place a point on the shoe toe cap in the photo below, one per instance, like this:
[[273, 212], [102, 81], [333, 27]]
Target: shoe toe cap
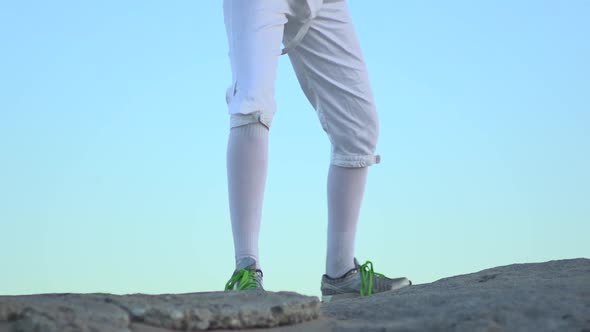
[[400, 283]]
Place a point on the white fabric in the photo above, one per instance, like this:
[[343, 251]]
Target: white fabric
[[321, 43], [247, 163], [346, 187]]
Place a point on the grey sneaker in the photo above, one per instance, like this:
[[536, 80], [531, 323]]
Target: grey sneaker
[[359, 281], [245, 276]]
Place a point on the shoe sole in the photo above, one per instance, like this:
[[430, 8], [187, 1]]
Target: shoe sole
[[343, 296]]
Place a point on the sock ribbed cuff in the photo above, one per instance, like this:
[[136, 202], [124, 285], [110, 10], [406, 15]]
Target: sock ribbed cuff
[[254, 129]]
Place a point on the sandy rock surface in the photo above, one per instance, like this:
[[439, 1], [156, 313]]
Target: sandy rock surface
[[191, 311], [550, 296]]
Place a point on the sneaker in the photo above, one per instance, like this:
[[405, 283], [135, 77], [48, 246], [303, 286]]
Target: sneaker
[[359, 281], [246, 276]]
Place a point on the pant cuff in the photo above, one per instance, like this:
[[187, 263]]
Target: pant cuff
[[354, 160], [239, 119]]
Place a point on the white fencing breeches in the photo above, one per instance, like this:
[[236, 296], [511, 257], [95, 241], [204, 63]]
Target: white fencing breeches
[[322, 45]]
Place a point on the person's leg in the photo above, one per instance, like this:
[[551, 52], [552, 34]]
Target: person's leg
[[345, 193], [254, 31], [247, 160], [331, 70]]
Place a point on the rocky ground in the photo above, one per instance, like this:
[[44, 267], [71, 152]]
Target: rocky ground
[[550, 296]]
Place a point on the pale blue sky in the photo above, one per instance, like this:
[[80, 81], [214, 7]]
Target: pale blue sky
[[113, 130]]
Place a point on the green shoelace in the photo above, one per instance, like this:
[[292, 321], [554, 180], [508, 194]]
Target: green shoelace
[[367, 274], [246, 279]]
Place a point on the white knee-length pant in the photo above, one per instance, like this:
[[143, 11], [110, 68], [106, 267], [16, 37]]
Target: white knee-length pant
[[322, 46]]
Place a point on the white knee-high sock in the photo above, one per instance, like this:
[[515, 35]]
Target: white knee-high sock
[[346, 187], [247, 162]]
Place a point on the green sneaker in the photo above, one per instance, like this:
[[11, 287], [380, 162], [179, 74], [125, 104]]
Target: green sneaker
[[359, 281], [246, 277]]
